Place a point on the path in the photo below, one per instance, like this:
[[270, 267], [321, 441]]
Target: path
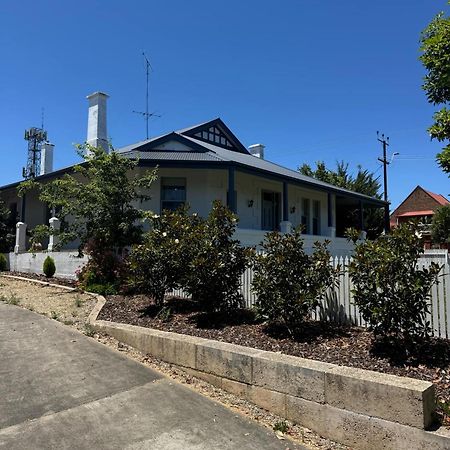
[[62, 390]]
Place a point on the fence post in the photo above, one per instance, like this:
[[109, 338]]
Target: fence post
[[55, 225], [21, 238]]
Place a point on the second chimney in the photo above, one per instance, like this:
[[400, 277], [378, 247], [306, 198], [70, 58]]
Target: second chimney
[[46, 158], [96, 132], [257, 150]]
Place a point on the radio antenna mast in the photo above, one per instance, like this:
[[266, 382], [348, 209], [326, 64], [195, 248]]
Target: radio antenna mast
[[146, 114]]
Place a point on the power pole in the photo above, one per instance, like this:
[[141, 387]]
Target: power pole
[[385, 143]]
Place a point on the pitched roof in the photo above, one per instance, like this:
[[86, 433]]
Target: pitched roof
[[229, 151], [211, 152], [438, 197]]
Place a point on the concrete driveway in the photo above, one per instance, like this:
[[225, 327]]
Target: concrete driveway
[[60, 390]]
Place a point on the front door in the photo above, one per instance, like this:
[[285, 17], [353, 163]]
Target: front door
[[270, 210]]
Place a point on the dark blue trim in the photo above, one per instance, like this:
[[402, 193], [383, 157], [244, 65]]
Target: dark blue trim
[[221, 125], [231, 198], [361, 215], [330, 209], [285, 202]]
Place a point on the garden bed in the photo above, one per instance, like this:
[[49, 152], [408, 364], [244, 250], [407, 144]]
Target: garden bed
[[342, 345], [39, 277]]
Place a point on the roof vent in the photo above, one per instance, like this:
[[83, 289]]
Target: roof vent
[[257, 150]]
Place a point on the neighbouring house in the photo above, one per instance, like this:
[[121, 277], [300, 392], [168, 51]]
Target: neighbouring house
[[419, 205], [205, 162]]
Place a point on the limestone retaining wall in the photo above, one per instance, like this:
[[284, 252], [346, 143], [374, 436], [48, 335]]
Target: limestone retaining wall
[[359, 408]]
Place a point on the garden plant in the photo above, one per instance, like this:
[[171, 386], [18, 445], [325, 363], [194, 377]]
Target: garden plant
[[391, 288], [290, 283]]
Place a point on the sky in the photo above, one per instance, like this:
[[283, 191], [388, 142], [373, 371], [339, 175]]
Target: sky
[[311, 80]]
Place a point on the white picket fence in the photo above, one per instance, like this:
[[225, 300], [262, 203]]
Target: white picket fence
[[339, 307]]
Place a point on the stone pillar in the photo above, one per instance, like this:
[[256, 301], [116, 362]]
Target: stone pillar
[[21, 238], [285, 226], [55, 225]]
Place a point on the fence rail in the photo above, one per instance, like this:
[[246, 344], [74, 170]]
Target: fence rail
[[338, 306]]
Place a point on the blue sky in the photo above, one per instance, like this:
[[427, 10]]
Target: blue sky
[[311, 80]]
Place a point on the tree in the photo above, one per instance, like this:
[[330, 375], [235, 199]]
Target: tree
[[7, 229], [435, 47], [97, 206], [364, 182], [440, 226]]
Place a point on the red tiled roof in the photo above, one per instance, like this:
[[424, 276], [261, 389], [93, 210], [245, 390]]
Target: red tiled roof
[[428, 212], [439, 198]]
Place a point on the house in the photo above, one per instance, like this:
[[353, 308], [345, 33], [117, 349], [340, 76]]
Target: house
[[205, 162], [419, 205]]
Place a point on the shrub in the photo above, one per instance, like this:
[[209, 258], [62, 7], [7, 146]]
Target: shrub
[[288, 282], [391, 291], [104, 268], [160, 263], [440, 226], [3, 263], [216, 263], [49, 267]]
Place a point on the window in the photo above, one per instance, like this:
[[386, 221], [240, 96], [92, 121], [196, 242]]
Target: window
[[316, 217], [173, 193], [306, 215]]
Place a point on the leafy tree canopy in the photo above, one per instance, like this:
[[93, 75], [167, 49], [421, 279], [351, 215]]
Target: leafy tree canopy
[[363, 182], [435, 47], [97, 204], [440, 227]]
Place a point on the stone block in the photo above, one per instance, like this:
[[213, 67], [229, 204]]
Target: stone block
[[272, 401], [399, 399], [290, 375], [226, 360], [235, 387], [360, 431]]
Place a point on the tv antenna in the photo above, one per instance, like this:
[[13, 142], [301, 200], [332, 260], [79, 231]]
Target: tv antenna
[[146, 114]]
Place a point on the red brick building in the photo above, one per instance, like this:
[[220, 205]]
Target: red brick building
[[420, 204]]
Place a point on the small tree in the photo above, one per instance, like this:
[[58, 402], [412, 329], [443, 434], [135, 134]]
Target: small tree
[[440, 226], [97, 206], [390, 289], [214, 273], [160, 263], [288, 282]]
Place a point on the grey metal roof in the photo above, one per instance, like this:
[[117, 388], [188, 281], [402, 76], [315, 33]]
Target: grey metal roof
[[205, 152]]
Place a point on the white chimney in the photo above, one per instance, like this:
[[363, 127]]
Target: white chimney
[[46, 158], [96, 132], [257, 150]]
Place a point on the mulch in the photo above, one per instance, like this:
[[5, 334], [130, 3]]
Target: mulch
[[323, 341], [35, 276]]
